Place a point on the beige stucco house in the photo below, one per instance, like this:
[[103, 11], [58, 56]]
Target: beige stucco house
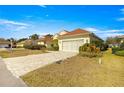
[[71, 41], [22, 43]]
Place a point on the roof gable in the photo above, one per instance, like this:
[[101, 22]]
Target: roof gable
[[77, 31]]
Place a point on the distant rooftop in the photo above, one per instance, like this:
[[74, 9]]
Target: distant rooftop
[[121, 36]]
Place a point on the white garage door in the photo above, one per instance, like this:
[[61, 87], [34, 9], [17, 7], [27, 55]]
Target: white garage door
[[72, 45]]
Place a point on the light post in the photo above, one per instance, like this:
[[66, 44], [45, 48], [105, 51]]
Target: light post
[[11, 44]]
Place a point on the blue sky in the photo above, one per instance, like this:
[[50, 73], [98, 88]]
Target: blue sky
[[22, 21]]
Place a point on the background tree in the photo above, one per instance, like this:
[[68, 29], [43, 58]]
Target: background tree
[[22, 39], [55, 45], [34, 37], [113, 40], [14, 41]]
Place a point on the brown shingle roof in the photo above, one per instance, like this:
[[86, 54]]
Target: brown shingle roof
[[77, 31]]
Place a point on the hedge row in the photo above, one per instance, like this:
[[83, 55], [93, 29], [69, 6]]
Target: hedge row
[[34, 47]]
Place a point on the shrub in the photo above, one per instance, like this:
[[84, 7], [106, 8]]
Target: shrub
[[54, 45], [104, 47], [89, 50], [115, 49], [84, 47], [34, 47]]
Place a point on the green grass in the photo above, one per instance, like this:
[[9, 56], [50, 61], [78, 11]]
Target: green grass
[[80, 72], [19, 52], [120, 53]]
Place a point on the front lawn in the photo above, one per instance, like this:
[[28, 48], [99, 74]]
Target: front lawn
[[120, 53], [19, 52], [80, 71]]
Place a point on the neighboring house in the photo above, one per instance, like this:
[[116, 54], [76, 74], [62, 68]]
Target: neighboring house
[[4, 43], [45, 40], [40, 41], [22, 43], [117, 42], [59, 34], [71, 41]]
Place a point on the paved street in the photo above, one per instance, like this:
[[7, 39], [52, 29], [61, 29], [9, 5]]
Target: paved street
[[7, 79], [22, 65]]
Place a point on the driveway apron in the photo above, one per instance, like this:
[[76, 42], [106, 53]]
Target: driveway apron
[[21, 65]]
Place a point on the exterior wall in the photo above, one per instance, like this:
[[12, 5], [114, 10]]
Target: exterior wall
[[60, 42], [20, 45], [40, 43], [4, 45]]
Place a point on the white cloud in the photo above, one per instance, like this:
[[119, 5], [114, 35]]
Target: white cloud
[[122, 10], [106, 33], [47, 15], [120, 19], [12, 25], [20, 28], [92, 29], [43, 6], [29, 16], [4, 21]]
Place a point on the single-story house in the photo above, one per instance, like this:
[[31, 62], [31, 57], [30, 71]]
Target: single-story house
[[71, 41], [4, 43], [59, 34], [22, 43], [116, 42]]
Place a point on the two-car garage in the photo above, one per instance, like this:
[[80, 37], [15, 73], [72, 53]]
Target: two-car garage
[[71, 45]]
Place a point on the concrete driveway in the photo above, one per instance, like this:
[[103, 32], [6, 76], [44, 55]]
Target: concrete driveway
[[22, 65], [7, 79]]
